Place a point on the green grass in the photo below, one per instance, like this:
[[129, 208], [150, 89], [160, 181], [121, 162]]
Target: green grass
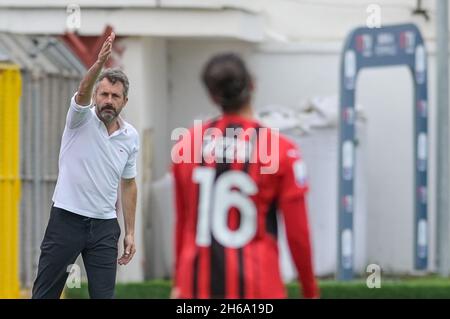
[[140, 290], [426, 287]]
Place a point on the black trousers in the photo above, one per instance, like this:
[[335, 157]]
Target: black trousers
[[67, 235]]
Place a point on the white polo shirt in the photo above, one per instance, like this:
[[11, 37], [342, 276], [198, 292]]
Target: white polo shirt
[[91, 163]]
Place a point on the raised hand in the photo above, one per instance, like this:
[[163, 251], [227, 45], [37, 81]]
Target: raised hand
[[106, 50]]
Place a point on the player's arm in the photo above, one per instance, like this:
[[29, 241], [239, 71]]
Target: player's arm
[[179, 223], [293, 206], [86, 86], [129, 198]]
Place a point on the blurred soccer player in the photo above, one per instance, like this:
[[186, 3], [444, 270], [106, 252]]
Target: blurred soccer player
[[231, 177]]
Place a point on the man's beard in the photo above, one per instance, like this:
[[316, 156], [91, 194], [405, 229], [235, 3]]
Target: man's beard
[[108, 114]]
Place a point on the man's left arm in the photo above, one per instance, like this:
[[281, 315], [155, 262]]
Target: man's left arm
[[129, 197]]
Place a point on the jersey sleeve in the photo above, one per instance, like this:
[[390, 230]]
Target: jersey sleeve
[[180, 209], [293, 205]]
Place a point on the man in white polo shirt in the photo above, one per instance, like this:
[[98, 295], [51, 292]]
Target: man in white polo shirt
[[98, 154]]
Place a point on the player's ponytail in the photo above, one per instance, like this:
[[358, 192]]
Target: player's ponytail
[[228, 81]]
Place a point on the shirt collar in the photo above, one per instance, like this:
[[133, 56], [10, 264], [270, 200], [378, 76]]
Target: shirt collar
[[122, 125]]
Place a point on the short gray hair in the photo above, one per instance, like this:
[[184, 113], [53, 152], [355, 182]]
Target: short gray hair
[[113, 75]]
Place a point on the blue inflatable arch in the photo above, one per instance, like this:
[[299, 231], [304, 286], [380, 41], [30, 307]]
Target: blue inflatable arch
[[370, 48]]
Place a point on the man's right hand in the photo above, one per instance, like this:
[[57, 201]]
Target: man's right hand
[[106, 50], [85, 89]]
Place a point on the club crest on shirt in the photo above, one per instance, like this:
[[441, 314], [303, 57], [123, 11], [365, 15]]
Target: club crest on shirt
[[300, 173]]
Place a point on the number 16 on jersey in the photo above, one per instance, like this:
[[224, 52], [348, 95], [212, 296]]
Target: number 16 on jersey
[[232, 189]]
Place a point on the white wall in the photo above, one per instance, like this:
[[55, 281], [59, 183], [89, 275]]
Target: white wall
[[188, 99], [144, 61], [389, 108], [326, 20], [289, 78], [248, 19], [388, 98]]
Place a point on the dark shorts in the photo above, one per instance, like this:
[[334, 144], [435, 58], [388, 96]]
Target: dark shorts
[[67, 235]]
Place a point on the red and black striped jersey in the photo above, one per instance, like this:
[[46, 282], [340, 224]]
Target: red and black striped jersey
[[232, 176]]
